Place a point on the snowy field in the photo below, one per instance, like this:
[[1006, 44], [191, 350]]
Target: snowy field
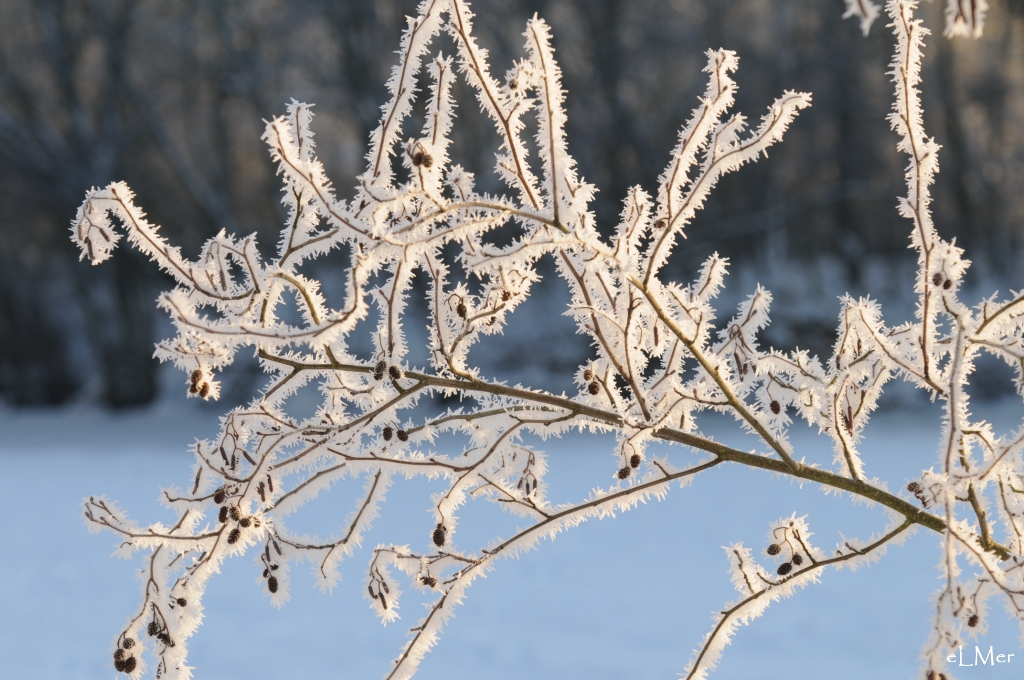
[[628, 598]]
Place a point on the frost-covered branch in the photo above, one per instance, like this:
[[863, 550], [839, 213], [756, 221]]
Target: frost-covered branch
[[661, 356]]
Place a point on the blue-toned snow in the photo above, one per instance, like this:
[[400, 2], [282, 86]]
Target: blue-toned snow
[[627, 598]]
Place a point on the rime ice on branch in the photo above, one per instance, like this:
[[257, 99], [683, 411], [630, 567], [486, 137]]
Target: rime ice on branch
[[658, 360], [963, 17]]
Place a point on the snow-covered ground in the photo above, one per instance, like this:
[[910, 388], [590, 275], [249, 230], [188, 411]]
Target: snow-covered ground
[[628, 598]]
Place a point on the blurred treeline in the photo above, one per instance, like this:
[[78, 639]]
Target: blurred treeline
[[170, 95]]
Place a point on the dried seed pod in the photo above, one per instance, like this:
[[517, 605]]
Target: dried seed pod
[[624, 472], [196, 376], [152, 629], [204, 390], [234, 536], [235, 514], [402, 435], [784, 569], [948, 284], [164, 637], [937, 279], [588, 375], [266, 573], [661, 224], [428, 581], [219, 497], [118, 654], [439, 535], [387, 433], [182, 602], [223, 514], [798, 559], [634, 461], [774, 549], [395, 372], [775, 407], [128, 643], [973, 620], [914, 487], [422, 158], [272, 584], [594, 388], [460, 309], [193, 389], [244, 522], [119, 665], [129, 665], [505, 296]]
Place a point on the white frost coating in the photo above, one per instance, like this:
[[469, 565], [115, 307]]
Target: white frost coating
[[965, 17], [660, 359], [865, 10]]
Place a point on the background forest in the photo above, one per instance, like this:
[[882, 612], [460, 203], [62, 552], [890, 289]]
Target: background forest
[[170, 97]]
